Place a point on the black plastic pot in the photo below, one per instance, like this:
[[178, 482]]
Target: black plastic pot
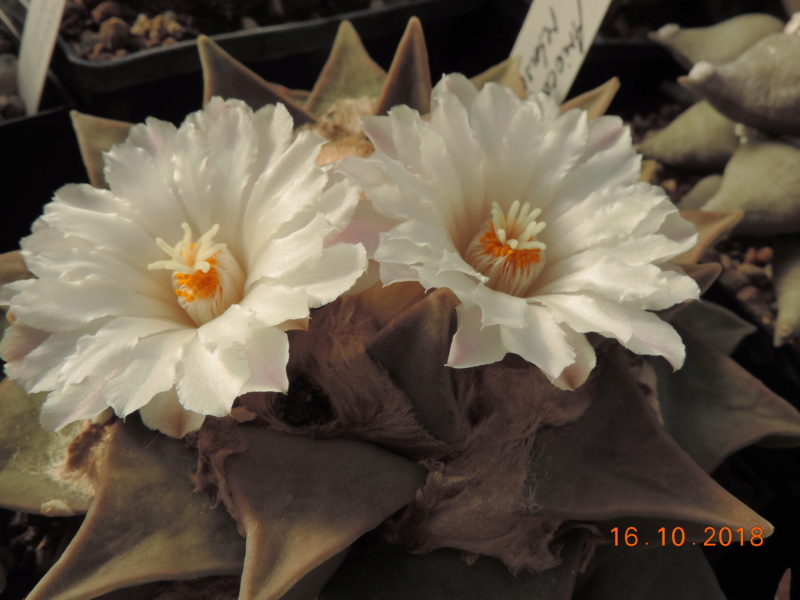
[[286, 53], [39, 154]]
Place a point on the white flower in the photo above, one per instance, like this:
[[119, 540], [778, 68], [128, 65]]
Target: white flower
[[535, 220], [171, 292]]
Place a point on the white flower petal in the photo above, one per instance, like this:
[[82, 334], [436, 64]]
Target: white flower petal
[[267, 352], [41, 368], [46, 257], [109, 348], [638, 330], [157, 138], [542, 342], [490, 116], [560, 150], [169, 293], [586, 312], [55, 305], [457, 86], [338, 202], [606, 217], [643, 286], [472, 189], [473, 344], [20, 340], [578, 372], [165, 413], [333, 274], [500, 308], [275, 304], [451, 121], [608, 160], [282, 255], [654, 337], [107, 231], [275, 129], [73, 403], [291, 186], [395, 273], [365, 227], [210, 376], [153, 363], [137, 177]]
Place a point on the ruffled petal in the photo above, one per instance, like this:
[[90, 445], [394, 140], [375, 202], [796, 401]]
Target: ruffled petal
[[473, 344], [267, 352], [638, 330], [290, 186], [577, 373], [138, 178], [332, 275], [74, 403], [542, 342], [273, 304], [166, 414], [210, 376], [152, 363], [54, 305]]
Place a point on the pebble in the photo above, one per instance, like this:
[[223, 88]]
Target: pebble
[[733, 281], [753, 273], [114, 34], [105, 10], [748, 293], [670, 185], [154, 31], [88, 40], [764, 255]]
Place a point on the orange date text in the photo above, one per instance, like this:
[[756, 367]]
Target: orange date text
[[676, 536]]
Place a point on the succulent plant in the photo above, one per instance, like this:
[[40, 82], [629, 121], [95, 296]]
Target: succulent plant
[[750, 86], [380, 472]]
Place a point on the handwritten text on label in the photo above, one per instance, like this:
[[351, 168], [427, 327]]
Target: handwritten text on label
[[553, 43]]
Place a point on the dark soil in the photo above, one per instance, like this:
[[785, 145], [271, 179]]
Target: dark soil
[[29, 545], [105, 30]]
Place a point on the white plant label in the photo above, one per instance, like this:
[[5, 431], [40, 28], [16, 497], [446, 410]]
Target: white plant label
[[553, 43], [36, 49]]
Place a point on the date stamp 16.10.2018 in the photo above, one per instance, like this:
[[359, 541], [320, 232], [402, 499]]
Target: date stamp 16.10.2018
[[676, 536]]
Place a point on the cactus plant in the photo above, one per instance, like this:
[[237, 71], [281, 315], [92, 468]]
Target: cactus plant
[[751, 88], [354, 462]]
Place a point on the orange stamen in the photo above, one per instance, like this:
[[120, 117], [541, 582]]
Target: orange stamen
[[198, 284], [517, 258]]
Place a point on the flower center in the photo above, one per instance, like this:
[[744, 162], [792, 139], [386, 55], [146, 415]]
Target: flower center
[[506, 251], [206, 276]]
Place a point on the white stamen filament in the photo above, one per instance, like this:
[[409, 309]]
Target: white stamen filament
[[505, 249], [206, 276]]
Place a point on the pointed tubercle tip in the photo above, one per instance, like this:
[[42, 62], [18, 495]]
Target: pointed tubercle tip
[[667, 31], [701, 72]]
